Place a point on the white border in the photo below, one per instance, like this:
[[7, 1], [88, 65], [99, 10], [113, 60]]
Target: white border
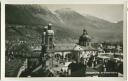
[[2, 39], [125, 40], [66, 1], [60, 2]]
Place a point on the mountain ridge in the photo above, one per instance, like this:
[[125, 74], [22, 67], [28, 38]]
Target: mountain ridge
[[68, 25]]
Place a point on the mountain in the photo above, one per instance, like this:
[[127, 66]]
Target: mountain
[[67, 23], [99, 29], [32, 19]]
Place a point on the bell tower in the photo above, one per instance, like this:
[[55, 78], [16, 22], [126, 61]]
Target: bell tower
[[50, 37], [47, 39], [47, 42]]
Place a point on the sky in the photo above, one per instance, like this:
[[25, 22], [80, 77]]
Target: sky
[[109, 12]]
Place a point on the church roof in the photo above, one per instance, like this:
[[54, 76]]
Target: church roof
[[64, 47], [88, 48], [70, 47]]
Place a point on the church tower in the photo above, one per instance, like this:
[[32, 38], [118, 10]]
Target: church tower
[[49, 38], [47, 44], [84, 39]]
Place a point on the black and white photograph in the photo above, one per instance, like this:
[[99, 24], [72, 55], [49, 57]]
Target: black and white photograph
[[64, 40]]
